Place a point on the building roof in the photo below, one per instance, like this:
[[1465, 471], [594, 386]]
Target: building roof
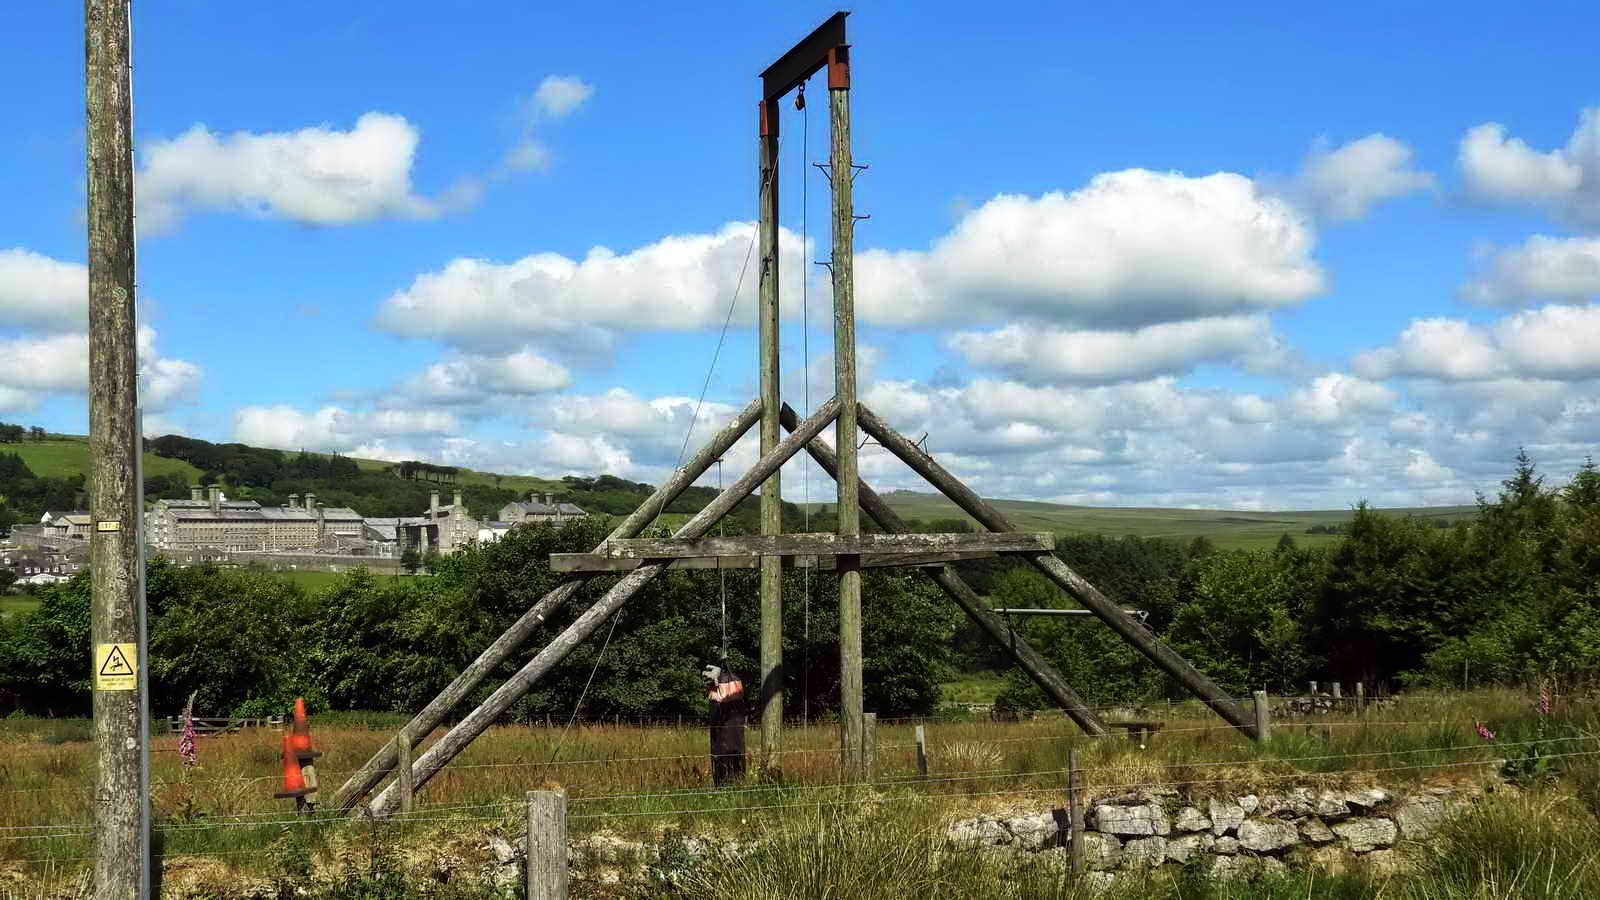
[[396, 520], [256, 512], [203, 504], [535, 508]]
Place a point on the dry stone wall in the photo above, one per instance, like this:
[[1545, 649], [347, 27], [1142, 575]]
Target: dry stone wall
[[1228, 836]]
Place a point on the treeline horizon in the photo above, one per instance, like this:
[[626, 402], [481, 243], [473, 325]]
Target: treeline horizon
[[1509, 597]]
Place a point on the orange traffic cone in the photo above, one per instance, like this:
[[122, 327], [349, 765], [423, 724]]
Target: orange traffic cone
[[301, 736], [294, 782]]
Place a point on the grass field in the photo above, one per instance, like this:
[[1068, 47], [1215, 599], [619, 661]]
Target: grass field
[[16, 603], [64, 456], [646, 782], [1227, 528]]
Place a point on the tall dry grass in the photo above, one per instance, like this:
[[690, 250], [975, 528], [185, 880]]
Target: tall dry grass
[[642, 782]]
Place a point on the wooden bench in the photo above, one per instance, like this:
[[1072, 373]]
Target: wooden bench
[[1138, 731]]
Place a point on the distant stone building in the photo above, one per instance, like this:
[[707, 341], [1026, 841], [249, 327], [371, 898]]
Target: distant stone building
[[489, 532], [74, 524], [384, 533], [210, 521], [535, 510], [445, 529]]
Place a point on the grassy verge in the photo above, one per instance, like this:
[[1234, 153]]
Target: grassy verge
[[642, 783]]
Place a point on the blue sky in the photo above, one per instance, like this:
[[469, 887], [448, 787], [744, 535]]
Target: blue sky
[[1234, 256]]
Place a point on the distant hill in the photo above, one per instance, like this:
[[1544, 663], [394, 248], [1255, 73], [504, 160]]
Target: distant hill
[[1226, 528], [379, 488]]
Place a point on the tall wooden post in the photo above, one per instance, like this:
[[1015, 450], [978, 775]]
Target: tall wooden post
[[1074, 814], [403, 774], [547, 845], [1263, 717], [844, 380], [769, 696], [922, 752], [121, 797]]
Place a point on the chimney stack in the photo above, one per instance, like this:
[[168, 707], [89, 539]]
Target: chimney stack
[[547, 500], [458, 500], [294, 500], [197, 493], [311, 500], [216, 499], [433, 505]]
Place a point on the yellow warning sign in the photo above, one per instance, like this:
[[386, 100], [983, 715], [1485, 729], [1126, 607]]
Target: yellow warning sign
[[115, 667]]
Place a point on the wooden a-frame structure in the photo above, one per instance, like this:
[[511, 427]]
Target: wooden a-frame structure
[[846, 552]]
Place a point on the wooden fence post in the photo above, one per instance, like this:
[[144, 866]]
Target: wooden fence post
[[1074, 813], [869, 745], [1338, 692], [922, 752], [403, 775], [1361, 696], [547, 845], [1263, 717], [1313, 690]]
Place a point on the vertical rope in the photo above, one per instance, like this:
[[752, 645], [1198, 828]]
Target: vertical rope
[[805, 352], [722, 574]]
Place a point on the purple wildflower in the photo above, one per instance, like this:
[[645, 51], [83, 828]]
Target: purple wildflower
[[186, 748], [1483, 731], [1544, 698]]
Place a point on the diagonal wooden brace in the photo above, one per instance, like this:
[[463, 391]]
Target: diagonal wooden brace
[[474, 724], [999, 631], [378, 767], [1130, 629]]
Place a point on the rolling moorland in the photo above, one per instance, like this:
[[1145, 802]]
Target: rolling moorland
[[66, 456]]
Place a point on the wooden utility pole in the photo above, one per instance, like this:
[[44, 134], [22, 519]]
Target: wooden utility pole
[[844, 381], [121, 798], [769, 694]]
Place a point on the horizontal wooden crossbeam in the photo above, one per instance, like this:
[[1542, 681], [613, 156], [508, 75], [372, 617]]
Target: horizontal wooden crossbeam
[[828, 545], [599, 563]]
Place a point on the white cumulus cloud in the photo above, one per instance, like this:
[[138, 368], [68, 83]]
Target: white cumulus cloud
[[39, 366], [477, 378], [43, 293], [1131, 248], [561, 95], [335, 428], [1344, 183], [678, 283], [1564, 182], [1553, 342], [556, 97], [1542, 268], [1052, 354], [314, 176]]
